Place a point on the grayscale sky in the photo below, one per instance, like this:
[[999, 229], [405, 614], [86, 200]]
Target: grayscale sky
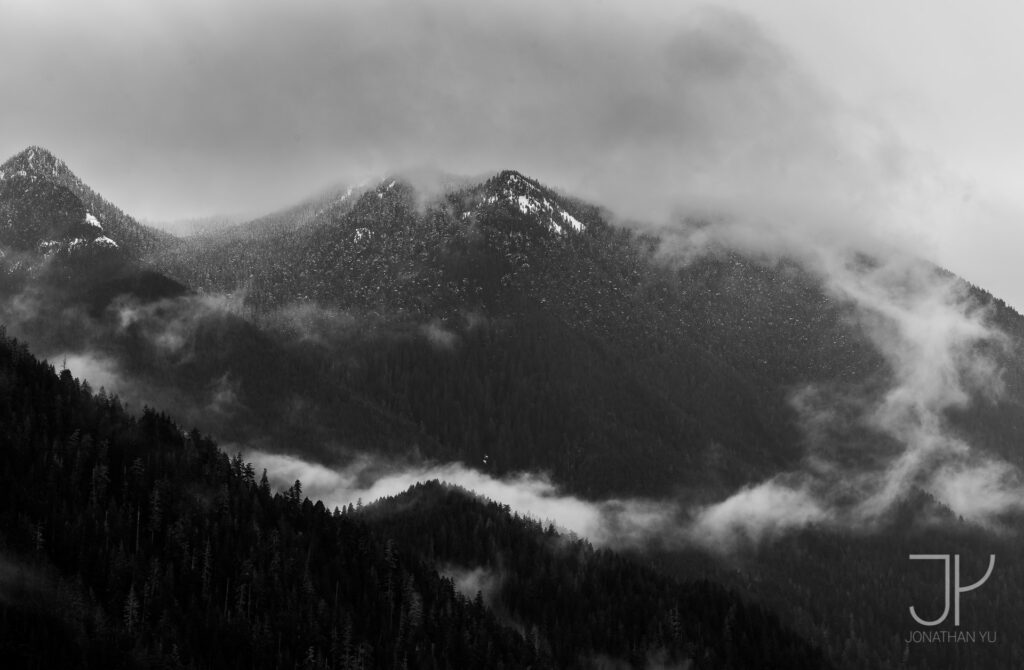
[[898, 118]]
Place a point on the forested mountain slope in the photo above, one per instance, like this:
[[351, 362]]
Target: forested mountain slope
[[560, 588], [36, 186], [629, 371], [126, 542]]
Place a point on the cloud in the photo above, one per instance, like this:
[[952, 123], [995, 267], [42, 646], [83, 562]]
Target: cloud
[[224, 396], [369, 479], [756, 513], [170, 324], [250, 106], [480, 580], [99, 371], [315, 323], [942, 353], [614, 523], [753, 515], [439, 336], [142, 351]]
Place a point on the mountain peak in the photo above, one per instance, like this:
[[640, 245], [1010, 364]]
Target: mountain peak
[[33, 161], [515, 181], [47, 203], [530, 198]]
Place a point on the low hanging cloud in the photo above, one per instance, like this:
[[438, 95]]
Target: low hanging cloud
[[943, 353], [608, 523], [487, 582], [755, 514], [98, 371]]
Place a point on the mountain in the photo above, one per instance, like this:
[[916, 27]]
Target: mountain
[[45, 207], [487, 318], [514, 328], [511, 561], [232, 253], [127, 542], [75, 284]]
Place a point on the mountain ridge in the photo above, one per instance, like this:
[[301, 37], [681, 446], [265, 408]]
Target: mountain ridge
[[390, 327], [37, 163]]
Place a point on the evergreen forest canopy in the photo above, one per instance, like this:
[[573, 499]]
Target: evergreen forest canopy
[[126, 542]]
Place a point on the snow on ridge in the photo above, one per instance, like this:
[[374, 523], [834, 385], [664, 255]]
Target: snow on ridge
[[575, 223], [531, 199], [92, 221], [382, 188], [52, 246]]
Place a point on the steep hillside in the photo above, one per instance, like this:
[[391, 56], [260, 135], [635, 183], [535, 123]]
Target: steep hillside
[[35, 184], [126, 542], [510, 320], [552, 586]]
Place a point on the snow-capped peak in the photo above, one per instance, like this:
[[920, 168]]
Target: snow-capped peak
[[529, 198], [34, 162]]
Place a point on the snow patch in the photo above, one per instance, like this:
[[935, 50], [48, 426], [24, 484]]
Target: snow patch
[[527, 205], [92, 221], [576, 224], [22, 173], [530, 199], [105, 241], [362, 234]]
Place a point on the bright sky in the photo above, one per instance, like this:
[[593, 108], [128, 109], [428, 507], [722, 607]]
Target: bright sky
[[826, 110], [946, 77]]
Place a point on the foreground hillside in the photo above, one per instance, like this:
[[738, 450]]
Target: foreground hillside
[[128, 543]]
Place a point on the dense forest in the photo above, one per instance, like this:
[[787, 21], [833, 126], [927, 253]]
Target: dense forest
[[127, 542]]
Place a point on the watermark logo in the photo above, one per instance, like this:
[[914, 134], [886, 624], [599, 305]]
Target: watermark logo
[[955, 583]]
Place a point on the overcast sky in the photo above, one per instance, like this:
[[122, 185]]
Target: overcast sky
[[898, 119]]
